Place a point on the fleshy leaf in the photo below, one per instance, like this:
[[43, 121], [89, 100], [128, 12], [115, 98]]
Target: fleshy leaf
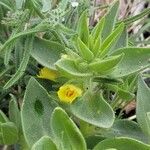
[[125, 128], [68, 68], [121, 144], [45, 143], [122, 41], [134, 60], [123, 94], [84, 50], [14, 112], [46, 52], [3, 117], [83, 29], [111, 40], [98, 28], [92, 108], [9, 133], [36, 111], [105, 65], [66, 133], [143, 106], [110, 21]]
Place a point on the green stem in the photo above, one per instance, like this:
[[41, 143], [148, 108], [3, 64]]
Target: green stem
[[114, 104]]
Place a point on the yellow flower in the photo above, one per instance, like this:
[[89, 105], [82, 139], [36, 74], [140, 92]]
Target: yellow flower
[[46, 73], [68, 93]]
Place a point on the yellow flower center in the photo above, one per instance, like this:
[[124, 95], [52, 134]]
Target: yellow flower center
[[68, 93]]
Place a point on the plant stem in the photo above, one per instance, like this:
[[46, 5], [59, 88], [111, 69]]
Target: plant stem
[[132, 117], [115, 102], [5, 147]]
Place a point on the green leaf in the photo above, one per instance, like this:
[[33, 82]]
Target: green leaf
[[93, 140], [66, 133], [19, 27], [111, 149], [92, 108], [123, 94], [45, 143], [23, 65], [6, 5], [122, 41], [96, 46], [63, 4], [22, 142], [46, 52], [82, 28], [110, 21], [143, 106], [46, 5], [8, 54], [35, 5], [39, 28], [14, 112], [9, 133], [135, 18], [111, 40], [103, 66], [68, 68], [66, 30], [36, 111], [134, 60], [121, 144], [19, 3], [125, 128], [3, 117], [106, 80], [84, 50], [98, 28], [72, 54], [18, 52], [120, 128]]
